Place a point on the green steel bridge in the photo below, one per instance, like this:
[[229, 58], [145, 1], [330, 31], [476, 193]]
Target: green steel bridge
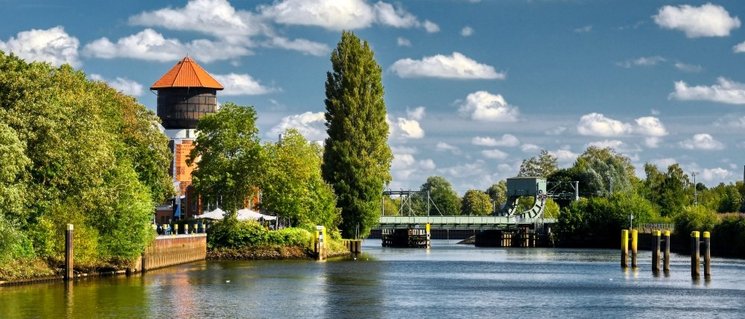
[[461, 222]]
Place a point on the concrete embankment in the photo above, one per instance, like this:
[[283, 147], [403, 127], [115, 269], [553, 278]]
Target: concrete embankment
[[167, 251]]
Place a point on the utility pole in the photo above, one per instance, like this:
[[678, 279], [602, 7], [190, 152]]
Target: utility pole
[[695, 190]]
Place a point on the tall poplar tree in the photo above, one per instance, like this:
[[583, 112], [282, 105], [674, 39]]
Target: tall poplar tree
[[356, 158]]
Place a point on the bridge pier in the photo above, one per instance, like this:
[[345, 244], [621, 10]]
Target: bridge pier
[[411, 237], [522, 237]]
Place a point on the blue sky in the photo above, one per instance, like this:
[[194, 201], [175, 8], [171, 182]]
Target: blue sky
[[472, 87]]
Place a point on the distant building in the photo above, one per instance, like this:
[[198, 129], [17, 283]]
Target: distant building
[[186, 93]]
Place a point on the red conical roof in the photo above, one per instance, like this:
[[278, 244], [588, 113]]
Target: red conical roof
[[186, 73]]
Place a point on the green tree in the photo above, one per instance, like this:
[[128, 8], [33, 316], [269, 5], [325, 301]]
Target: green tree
[[498, 194], [538, 166], [356, 158], [291, 183], [604, 171], [551, 210], [13, 166], [674, 192], [444, 200], [476, 203], [229, 156]]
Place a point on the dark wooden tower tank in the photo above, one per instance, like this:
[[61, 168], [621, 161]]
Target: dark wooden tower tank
[[185, 94]]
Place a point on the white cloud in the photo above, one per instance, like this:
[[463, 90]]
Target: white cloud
[[663, 163], [123, 85], [397, 17], [455, 66], [642, 61], [341, 15], [614, 144], [596, 124], [417, 113], [300, 45], [487, 107], [731, 122], [431, 27], [739, 48], [427, 164], [584, 29], [529, 148], [311, 125], [702, 141], [466, 31], [409, 128], [241, 84], [215, 17], [507, 140], [690, 68], [564, 156], [494, 154], [652, 142], [403, 42], [151, 45], [716, 174], [442, 147], [52, 45], [650, 126], [725, 91], [708, 20]]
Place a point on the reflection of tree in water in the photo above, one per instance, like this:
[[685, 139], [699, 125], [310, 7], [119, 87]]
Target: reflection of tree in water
[[354, 290]]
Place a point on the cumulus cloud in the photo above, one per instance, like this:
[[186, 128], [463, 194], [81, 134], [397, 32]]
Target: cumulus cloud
[[487, 107], [725, 91], [430, 26], [53, 46], [466, 31], [728, 121], [403, 42], [614, 144], [494, 154], [123, 85], [564, 156], [341, 15], [443, 147], [417, 113], [596, 124], [507, 140], [739, 48], [708, 20], [716, 174], [241, 84], [650, 126], [641, 61], [529, 148], [151, 45], [409, 127], [455, 66], [311, 125], [702, 141], [405, 164]]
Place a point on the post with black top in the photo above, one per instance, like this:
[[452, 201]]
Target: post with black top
[[655, 251], [695, 255], [624, 248], [68, 253], [707, 255], [667, 251]]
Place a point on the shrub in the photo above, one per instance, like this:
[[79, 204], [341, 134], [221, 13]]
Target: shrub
[[728, 237], [694, 218]]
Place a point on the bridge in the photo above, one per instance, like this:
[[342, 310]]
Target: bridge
[[460, 222]]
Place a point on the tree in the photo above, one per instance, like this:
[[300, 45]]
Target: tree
[[498, 194], [602, 171], [356, 158], [538, 166], [443, 198], [229, 156], [291, 183], [476, 203]]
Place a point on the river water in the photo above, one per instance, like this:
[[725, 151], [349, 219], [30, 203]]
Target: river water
[[446, 281]]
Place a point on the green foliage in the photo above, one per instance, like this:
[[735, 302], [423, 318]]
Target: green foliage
[[391, 206], [694, 218], [77, 152], [292, 186], [356, 158], [231, 233], [551, 210], [477, 203], [538, 166], [444, 199], [729, 236], [604, 171], [498, 193], [669, 191], [229, 156], [13, 243]]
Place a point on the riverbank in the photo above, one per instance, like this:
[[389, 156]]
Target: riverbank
[[271, 252]]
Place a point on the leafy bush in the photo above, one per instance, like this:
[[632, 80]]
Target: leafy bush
[[13, 243], [231, 233], [694, 218]]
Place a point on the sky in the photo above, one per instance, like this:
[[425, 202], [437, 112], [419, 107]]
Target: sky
[[472, 88]]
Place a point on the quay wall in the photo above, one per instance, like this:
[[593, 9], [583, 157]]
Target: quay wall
[[172, 250]]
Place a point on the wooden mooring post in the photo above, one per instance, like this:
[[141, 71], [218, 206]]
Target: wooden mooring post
[[707, 255], [695, 255], [634, 246], [666, 266], [656, 251], [68, 253]]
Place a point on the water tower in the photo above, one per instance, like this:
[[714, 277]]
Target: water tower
[[186, 93]]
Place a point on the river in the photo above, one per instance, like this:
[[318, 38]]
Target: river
[[446, 281]]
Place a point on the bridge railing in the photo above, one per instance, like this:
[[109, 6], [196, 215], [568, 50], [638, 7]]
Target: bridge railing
[[459, 221]]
